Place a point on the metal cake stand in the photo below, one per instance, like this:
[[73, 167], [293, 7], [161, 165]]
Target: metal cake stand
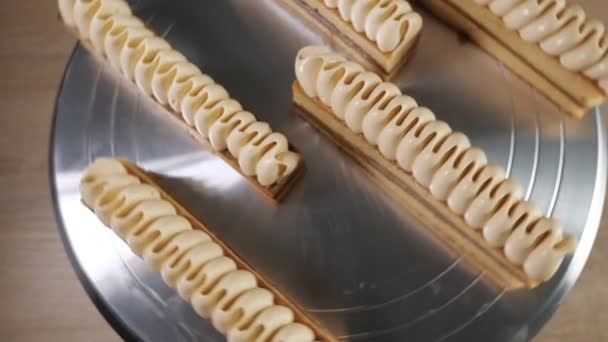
[[335, 245]]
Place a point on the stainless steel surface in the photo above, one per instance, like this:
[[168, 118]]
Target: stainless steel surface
[[336, 245]]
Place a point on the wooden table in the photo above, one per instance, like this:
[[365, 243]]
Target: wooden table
[[42, 299]]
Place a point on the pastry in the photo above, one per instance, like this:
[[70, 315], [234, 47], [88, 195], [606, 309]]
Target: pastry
[[548, 43], [379, 34], [198, 104], [435, 172], [220, 285]]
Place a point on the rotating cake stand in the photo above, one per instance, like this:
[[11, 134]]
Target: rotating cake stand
[[364, 269]]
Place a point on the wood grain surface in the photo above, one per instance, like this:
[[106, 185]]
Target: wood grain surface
[[42, 299]]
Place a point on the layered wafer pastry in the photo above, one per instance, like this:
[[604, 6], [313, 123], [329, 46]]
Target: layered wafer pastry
[[194, 100], [221, 287], [381, 35], [551, 44], [432, 171]]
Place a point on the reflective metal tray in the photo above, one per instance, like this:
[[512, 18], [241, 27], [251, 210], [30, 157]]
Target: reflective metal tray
[[364, 269]]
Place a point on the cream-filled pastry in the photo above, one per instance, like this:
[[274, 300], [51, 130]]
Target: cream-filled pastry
[[204, 107], [551, 44], [441, 161], [386, 22], [380, 34], [561, 30], [203, 271]]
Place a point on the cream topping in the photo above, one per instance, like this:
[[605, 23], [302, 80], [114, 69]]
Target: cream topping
[[456, 167], [66, 12], [433, 155], [187, 259], [147, 68], [165, 74], [544, 260], [293, 332], [101, 27], [386, 22], [203, 94], [561, 30], [263, 326], [170, 77], [82, 12], [111, 200], [118, 38], [439, 159]]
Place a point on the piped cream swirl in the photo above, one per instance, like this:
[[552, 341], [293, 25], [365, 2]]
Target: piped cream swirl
[[165, 74], [187, 259], [439, 159], [386, 22], [561, 30]]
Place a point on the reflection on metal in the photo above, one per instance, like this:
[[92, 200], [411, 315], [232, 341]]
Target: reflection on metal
[[334, 245]]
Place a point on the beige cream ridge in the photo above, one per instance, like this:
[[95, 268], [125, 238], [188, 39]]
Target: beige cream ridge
[[548, 43], [380, 34], [561, 30]]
